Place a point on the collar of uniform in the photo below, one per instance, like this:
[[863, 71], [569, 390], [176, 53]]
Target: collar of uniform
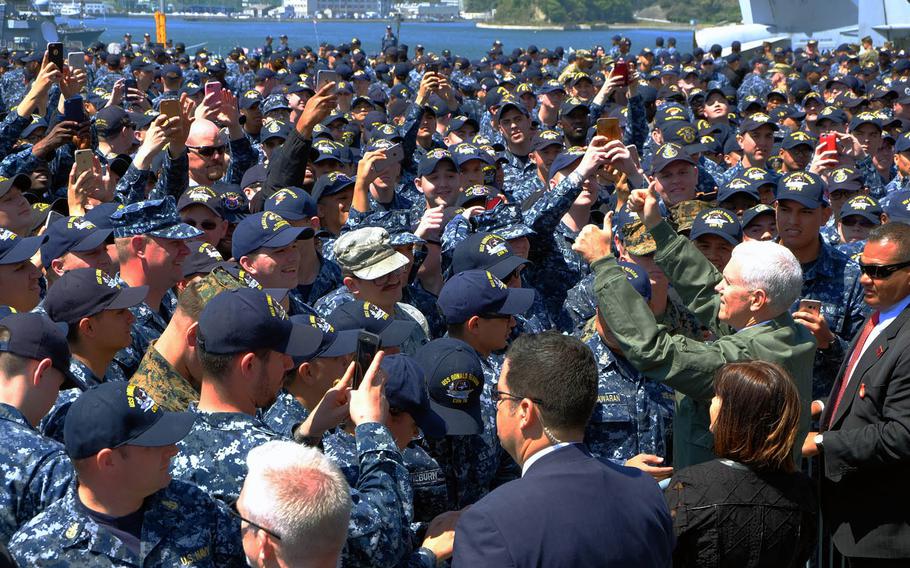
[[80, 529], [227, 421], [11, 413], [84, 377]]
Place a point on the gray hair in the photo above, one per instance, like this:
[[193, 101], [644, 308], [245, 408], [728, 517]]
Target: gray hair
[[768, 266], [302, 496]]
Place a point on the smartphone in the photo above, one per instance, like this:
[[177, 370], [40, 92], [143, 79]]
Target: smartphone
[[609, 127], [325, 76], [489, 175], [55, 54], [213, 88], [74, 110], [492, 202], [367, 347], [621, 69], [828, 142], [75, 60], [395, 153], [433, 68], [84, 161], [813, 306], [170, 108], [129, 83], [51, 217]]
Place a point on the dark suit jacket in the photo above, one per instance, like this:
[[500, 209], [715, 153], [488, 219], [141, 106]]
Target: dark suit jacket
[[866, 455], [569, 510]]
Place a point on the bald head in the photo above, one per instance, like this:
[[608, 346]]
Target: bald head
[[206, 169], [204, 132]]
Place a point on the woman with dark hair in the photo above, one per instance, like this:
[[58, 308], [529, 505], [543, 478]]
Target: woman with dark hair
[[750, 507]]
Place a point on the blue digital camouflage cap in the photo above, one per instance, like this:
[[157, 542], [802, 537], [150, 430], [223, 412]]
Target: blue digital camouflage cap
[[155, 217]]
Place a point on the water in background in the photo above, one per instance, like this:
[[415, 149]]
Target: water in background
[[462, 38]]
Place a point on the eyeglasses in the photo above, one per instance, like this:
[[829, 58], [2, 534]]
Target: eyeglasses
[[206, 225], [208, 151], [232, 508], [499, 395], [881, 271]]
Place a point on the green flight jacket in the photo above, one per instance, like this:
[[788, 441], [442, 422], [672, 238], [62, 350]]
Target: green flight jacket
[[687, 365]]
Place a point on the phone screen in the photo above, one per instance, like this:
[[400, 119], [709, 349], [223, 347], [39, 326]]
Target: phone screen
[[76, 60], [367, 347]]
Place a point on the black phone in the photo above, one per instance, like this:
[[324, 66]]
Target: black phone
[[74, 110], [55, 54], [433, 68], [367, 347], [128, 84]]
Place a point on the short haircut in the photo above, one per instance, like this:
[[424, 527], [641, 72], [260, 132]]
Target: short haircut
[[216, 365], [768, 266], [302, 496], [11, 365], [560, 371], [759, 415], [124, 251], [897, 233]]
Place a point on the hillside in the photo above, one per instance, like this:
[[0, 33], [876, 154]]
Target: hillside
[[587, 11]]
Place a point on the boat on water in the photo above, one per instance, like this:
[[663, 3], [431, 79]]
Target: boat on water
[[27, 25]]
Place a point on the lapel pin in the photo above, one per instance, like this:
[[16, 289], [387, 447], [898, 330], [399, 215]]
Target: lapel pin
[[879, 351], [862, 390]]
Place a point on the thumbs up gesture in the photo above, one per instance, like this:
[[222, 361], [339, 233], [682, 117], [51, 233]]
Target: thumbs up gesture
[[646, 204]]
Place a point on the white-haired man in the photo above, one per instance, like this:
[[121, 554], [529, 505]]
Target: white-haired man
[[298, 505], [746, 307]]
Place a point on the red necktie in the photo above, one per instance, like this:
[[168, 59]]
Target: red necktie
[[854, 357]]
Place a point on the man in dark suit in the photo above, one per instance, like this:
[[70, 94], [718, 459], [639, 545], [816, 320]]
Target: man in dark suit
[[568, 508], [865, 438]]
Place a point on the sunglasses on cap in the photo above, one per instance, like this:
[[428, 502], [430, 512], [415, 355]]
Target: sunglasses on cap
[[208, 151], [882, 271]]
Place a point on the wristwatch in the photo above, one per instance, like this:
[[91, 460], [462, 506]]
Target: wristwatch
[[819, 442]]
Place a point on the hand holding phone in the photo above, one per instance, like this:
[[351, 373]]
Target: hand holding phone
[[84, 161], [325, 76], [170, 108], [828, 142], [213, 89], [73, 109], [621, 69]]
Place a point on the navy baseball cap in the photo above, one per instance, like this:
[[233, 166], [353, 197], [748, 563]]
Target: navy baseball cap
[[719, 222], [667, 154], [750, 214], [201, 195], [571, 105], [545, 139], [406, 391], [833, 114], [551, 86], [798, 138], [460, 121], [265, 229], [334, 342], [454, 377], [292, 203], [805, 188], [565, 159], [14, 249], [203, 258], [756, 121], [844, 179], [480, 293], [863, 205], [101, 215], [897, 206], [486, 251], [235, 207], [247, 319], [370, 317], [511, 103], [115, 414], [903, 142], [432, 159], [71, 234], [275, 129], [35, 336], [330, 184], [20, 181], [735, 186], [155, 217], [85, 292]]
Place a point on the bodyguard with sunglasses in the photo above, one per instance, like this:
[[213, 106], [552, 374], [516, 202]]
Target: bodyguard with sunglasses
[[864, 441]]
